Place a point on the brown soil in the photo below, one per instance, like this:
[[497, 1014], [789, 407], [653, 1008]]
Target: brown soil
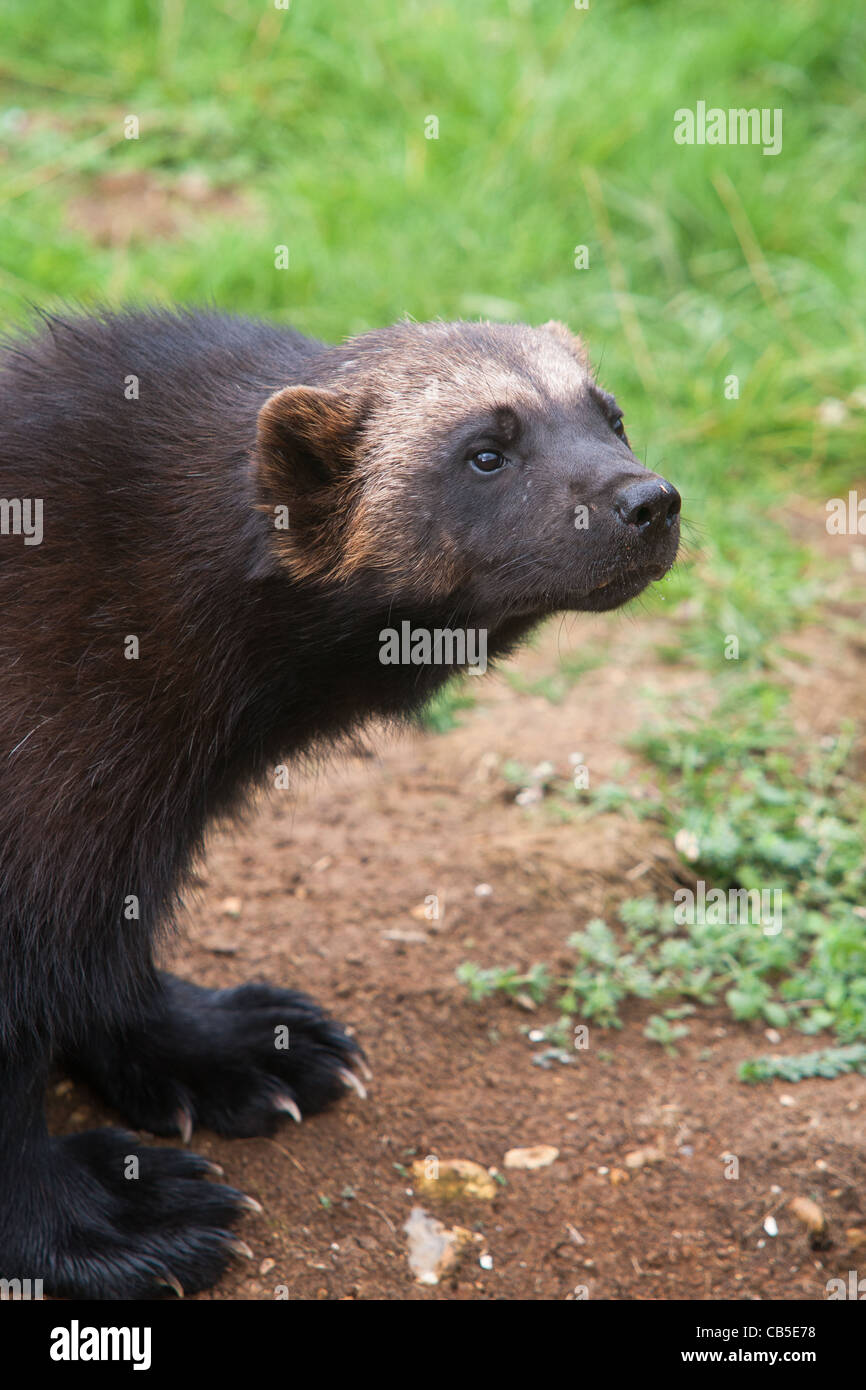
[[119, 209], [324, 873]]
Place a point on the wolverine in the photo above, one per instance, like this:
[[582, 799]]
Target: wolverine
[[230, 515]]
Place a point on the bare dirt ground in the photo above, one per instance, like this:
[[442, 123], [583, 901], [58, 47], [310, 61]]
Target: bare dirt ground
[[303, 895]]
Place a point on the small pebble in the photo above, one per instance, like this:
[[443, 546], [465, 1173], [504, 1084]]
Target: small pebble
[[539, 1156]]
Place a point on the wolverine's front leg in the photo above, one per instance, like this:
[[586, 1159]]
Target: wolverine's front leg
[[99, 1214], [233, 1060]]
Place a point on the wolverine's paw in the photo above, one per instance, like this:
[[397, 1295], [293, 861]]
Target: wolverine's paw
[[234, 1060], [114, 1219]]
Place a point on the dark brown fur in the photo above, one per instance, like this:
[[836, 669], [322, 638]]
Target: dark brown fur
[[256, 644]]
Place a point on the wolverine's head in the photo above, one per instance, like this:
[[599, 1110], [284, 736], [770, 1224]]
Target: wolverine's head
[[475, 463]]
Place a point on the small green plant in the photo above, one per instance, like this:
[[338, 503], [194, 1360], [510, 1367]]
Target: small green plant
[[750, 813], [481, 984], [830, 1062], [440, 715], [664, 1029]]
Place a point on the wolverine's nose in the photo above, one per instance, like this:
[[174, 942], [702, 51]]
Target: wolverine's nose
[[652, 505]]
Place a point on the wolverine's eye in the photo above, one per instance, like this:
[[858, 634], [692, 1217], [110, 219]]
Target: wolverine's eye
[[488, 461]]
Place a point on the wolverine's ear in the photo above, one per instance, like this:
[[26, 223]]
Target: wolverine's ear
[[306, 439], [305, 478], [569, 340]]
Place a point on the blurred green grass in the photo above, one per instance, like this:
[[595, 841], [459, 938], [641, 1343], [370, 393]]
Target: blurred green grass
[[555, 130]]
